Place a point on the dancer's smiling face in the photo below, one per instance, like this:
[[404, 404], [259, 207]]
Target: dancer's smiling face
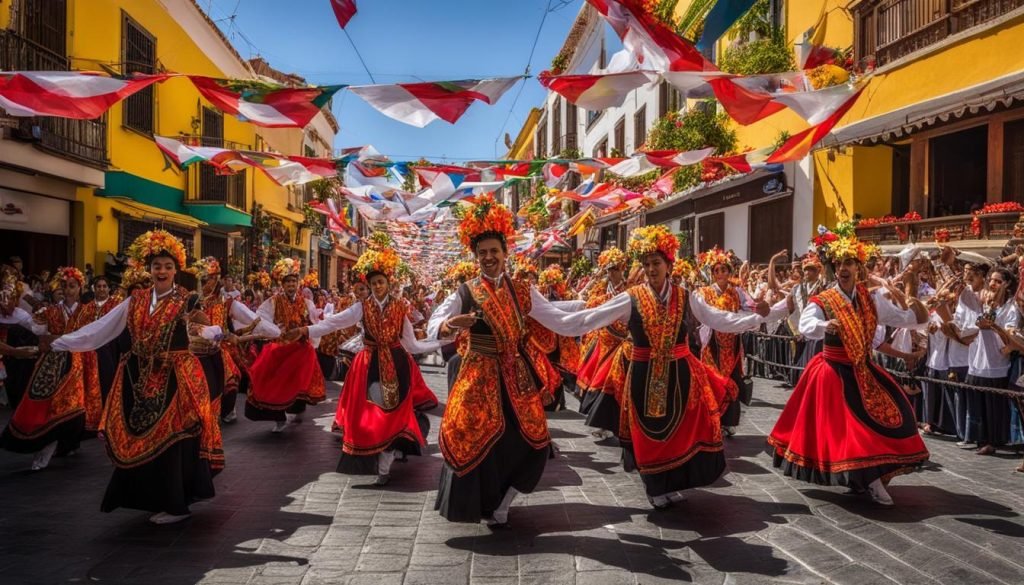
[[379, 285], [163, 270], [656, 269], [491, 255]]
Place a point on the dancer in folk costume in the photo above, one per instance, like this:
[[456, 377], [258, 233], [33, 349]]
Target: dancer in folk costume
[[223, 373], [63, 399], [286, 376], [381, 410], [848, 422], [15, 331], [671, 404], [563, 352], [602, 374], [723, 350], [159, 429], [104, 299], [459, 273]]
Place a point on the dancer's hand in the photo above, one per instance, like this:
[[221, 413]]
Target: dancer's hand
[[464, 321], [294, 334], [832, 327]]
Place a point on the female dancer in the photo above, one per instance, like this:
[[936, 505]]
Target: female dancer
[[160, 432]]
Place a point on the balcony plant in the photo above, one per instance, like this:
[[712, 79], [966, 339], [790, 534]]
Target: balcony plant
[[770, 54], [700, 127]]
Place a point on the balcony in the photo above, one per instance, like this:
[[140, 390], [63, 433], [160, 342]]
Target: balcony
[[892, 29], [992, 229], [83, 141]]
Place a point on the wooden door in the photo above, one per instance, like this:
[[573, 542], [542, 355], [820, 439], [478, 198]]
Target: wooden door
[[711, 231], [771, 229]]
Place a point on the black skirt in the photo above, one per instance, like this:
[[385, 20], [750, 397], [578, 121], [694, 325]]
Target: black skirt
[[169, 483], [367, 464], [988, 414], [702, 469], [511, 463], [603, 411]]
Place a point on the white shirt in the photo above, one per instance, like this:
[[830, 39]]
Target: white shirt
[[938, 346], [354, 315], [580, 322], [985, 357], [813, 321]]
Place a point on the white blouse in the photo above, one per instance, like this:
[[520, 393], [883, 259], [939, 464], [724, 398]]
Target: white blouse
[[18, 317], [584, 321], [354, 315], [985, 357], [813, 321]]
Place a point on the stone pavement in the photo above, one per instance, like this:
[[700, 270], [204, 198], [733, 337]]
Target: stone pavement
[[283, 517]]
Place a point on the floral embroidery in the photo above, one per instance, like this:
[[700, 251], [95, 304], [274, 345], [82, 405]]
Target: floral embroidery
[[661, 323], [729, 349], [385, 327]]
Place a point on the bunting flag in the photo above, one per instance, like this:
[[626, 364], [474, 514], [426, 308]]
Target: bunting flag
[[596, 92], [723, 15], [811, 50], [344, 10], [67, 94], [263, 104], [419, 104], [336, 222], [748, 100], [645, 162], [655, 46], [283, 170], [801, 144]]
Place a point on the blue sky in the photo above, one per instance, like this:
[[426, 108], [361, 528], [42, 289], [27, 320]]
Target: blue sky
[[405, 41]]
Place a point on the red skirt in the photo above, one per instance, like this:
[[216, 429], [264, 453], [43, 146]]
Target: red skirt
[[285, 373], [369, 429], [834, 431]]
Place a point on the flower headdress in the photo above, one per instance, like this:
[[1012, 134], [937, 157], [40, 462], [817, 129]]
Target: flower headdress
[[838, 248], [714, 257], [135, 275], [206, 267], [385, 261], [463, 270], [485, 216], [612, 257], [523, 265], [811, 259], [682, 270], [553, 277], [155, 242], [10, 282], [65, 273], [653, 238], [311, 280], [259, 279], [285, 267]]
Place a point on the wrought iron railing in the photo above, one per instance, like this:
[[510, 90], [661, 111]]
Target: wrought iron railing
[[204, 185], [889, 30], [83, 141]]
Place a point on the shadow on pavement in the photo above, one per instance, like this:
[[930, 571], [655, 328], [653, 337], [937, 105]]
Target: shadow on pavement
[[914, 504]]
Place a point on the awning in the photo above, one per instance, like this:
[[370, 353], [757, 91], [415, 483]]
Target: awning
[[129, 207], [734, 190], [1002, 91], [219, 214]]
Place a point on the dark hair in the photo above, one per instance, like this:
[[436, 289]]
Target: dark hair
[[373, 273], [102, 277], [163, 254], [287, 276], [490, 235], [1009, 279], [248, 293], [188, 280]]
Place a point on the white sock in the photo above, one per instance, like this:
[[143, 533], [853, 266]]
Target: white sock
[[43, 456], [879, 493], [501, 514], [384, 461]]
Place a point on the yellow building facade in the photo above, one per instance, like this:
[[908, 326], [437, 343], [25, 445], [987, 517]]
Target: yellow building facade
[[137, 188]]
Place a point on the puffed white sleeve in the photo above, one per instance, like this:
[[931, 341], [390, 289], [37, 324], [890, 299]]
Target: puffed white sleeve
[[18, 316], [723, 321], [779, 311], [242, 317], [446, 310], [416, 346], [891, 315], [96, 334], [314, 313], [812, 322], [580, 322], [569, 306], [879, 337], [266, 311], [346, 318]]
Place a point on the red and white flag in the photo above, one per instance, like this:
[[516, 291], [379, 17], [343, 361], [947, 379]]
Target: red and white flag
[[801, 144], [344, 10], [655, 46], [419, 104], [270, 107], [67, 94], [596, 92]]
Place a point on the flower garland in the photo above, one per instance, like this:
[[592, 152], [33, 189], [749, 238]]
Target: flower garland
[[714, 257], [385, 261], [653, 238], [311, 280], [870, 222], [205, 267], [612, 257], [285, 267], [155, 242], [260, 280]]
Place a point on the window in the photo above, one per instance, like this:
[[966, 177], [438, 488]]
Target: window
[[556, 126], [1013, 159], [620, 135], [44, 22], [138, 55], [669, 99], [603, 59], [570, 126], [640, 128], [592, 116], [601, 150]]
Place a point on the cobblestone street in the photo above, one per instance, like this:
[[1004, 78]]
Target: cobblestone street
[[283, 517]]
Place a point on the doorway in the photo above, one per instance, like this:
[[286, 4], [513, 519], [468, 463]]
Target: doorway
[[959, 167]]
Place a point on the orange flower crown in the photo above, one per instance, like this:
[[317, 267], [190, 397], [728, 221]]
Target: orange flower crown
[[259, 279], [285, 267], [311, 280], [65, 273], [810, 259], [484, 216], [552, 276], [850, 247], [385, 261], [612, 257], [155, 242], [463, 270], [683, 270], [206, 267], [523, 265], [653, 238], [715, 256], [135, 275]]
